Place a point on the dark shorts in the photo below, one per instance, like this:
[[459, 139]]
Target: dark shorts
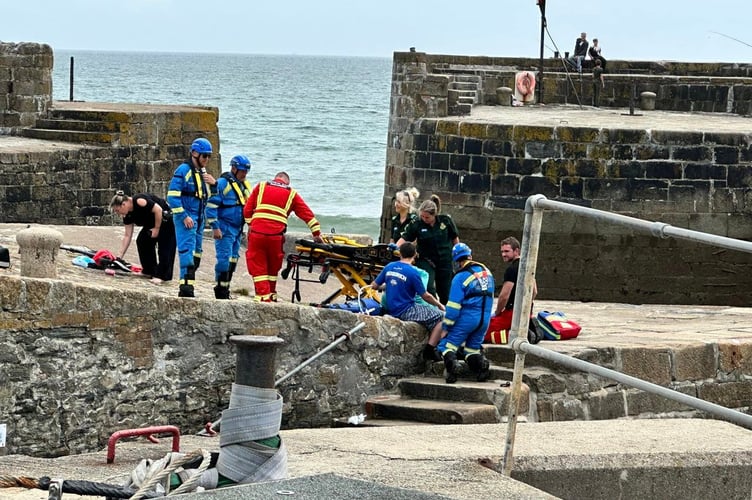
[[427, 316]]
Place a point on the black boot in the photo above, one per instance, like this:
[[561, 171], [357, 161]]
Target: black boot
[[196, 263], [431, 354], [186, 284], [452, 366], [222, 290], [480, 365], [233, 266]]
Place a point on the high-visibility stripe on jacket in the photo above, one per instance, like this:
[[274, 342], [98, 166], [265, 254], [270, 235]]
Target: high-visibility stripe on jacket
[[271, 203], [470, 298], [227, 203], [187, 193]]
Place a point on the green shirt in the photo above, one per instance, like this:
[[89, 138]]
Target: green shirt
[[435, 242]]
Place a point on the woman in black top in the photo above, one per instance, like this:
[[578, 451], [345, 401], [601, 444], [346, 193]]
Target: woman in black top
[[434, 234], [404, 205], [156, 240]]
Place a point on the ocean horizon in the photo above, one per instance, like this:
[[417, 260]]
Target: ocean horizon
[[323, 119]]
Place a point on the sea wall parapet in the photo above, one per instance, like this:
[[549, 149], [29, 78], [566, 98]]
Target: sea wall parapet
[[80, 362], [25, 84], [674, 165]]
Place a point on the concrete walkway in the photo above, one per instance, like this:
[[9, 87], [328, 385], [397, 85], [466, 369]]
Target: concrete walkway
[[570, 115], [706, 458]]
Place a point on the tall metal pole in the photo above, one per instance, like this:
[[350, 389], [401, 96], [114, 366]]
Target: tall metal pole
[[542, 5]]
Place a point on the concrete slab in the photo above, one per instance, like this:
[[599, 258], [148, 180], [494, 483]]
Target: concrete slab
[[564, 115], [710, 456], [638, 458]]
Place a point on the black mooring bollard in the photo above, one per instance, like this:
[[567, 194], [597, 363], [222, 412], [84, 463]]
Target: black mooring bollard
[[256, 359]]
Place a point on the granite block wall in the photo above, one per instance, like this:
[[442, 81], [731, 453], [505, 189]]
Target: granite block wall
[[484, 173], [91, 149], [80, 362], [25, 84]]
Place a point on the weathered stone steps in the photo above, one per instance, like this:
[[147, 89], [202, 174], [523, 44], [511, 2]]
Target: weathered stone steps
[[439, 399], [436, 412], [77, 136], [78, 125]]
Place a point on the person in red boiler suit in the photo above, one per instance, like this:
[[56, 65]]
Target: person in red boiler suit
[[266, 213]]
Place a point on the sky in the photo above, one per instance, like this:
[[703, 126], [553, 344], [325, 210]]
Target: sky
[[679, 30]]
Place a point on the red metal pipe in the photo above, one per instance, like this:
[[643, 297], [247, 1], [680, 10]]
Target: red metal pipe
[[143, 431]]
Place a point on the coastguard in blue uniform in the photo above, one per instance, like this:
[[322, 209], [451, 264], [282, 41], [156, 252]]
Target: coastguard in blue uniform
[[224, 213], [468, 313], [187, 196]]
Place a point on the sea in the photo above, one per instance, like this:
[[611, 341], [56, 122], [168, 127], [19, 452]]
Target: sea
[[321, 119]]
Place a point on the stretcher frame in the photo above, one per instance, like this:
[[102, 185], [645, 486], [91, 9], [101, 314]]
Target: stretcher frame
[[352, 263]]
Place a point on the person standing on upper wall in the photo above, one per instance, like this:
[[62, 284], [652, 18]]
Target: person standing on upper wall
[[224, 213], [434, 234], [404, 205], [187, 196]]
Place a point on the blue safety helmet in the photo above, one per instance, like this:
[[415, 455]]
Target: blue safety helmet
[[201, 146], [241, 162], [459, 251]]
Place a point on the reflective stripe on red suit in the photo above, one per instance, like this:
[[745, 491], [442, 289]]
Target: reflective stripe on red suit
[[266, 212]]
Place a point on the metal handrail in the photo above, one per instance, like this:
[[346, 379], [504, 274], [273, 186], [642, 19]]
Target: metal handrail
[[523, 302]]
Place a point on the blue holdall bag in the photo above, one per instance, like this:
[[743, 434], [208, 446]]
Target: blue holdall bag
[[363, 306], [556, 326]]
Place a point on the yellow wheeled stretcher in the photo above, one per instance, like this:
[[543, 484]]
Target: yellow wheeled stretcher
[[352, 263]]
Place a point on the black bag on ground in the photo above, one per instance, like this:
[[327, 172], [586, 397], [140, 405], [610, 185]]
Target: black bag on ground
[[534, 335]]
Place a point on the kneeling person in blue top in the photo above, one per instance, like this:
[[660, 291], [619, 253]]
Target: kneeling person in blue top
[[224, 213], [468, 313], [402, 283]]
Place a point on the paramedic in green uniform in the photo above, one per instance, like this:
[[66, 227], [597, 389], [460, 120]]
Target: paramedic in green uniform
[[434, 234]]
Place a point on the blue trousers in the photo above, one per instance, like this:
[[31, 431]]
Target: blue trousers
[[227, 248], [473, 339], [190, 242]]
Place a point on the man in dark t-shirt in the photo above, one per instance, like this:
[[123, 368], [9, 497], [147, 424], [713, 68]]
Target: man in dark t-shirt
[[502, 317]]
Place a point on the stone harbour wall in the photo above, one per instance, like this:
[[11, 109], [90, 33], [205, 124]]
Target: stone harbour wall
[[78, 363], [485, 171], [679, 86], [87, 151], [718, 371], [25, 84], [72, 184]]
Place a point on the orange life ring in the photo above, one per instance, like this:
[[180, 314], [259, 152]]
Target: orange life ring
[[526, 83]]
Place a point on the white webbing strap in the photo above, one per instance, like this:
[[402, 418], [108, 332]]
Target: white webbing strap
[[254, 414]]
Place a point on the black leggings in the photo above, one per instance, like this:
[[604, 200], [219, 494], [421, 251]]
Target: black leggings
[[157, 256]]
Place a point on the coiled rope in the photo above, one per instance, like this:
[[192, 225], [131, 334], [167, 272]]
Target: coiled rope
[[86, 488], [175, 462], [91, 488]]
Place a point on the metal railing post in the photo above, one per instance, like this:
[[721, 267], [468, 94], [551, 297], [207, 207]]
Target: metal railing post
[[523, 301], [722, 412], [523, 304]]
